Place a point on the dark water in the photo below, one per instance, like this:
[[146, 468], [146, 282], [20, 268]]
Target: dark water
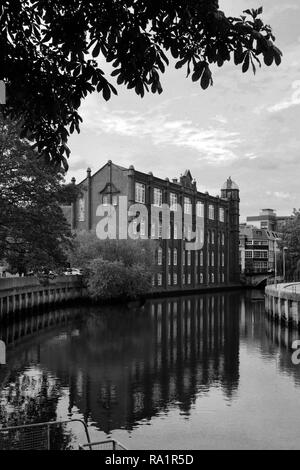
[[197, 372]]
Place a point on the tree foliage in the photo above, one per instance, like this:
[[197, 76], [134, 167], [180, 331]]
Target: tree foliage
[[114, 269], [50, 51], [33, 230], [114, 280], [87, 246], [291, 241]]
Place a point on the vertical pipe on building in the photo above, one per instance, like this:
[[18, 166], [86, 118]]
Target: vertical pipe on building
[[73, 208], [89, 199]]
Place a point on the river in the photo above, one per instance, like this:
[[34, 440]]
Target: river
[[192, 372]]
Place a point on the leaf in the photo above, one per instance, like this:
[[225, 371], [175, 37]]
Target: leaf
[[268, 57], [206, 78], [180, 63], [96, 50], [260, 10], [106, 92], [113, 89], [198, 71], [239, 55], [246, 63]]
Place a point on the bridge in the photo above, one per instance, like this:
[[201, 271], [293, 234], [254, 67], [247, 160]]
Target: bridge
[[260, 279]]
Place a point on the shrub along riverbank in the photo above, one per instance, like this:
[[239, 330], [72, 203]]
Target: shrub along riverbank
[[114, 269]]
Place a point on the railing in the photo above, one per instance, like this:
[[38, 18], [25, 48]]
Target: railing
[[39, 436], [110, 444], [43, 436]]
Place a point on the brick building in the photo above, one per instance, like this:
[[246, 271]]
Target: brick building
[[176, 268]]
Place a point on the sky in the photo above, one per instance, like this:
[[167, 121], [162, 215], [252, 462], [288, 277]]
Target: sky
[[245, 126]]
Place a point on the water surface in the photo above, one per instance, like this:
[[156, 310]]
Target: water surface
[[199, 372]]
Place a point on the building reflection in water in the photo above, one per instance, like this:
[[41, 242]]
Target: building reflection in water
[[122, 365]]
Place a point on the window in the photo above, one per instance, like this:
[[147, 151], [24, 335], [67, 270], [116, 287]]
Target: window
[[105, 200], [260, 254], [183, 279], [188, 232], [153, 230], [173, 202], [175, 232], [169, 232], [187, 205], [189, 258], [169, 256], [223, 260], [189, 280], [212, 278], [201, 278], [183, 258], [212, 259], [175, 279], [114, 200], [159, 256], [201, 258], [81, 210], [200, 209], [143, 227], [159, 229], [223, 239], [175, 257], [159, 279], [140, 193], [248, 254], [221, 214], [169, 279], [211, 212], [212, 237], [153, 280], [196, 258], [134, 227], [157, 197]]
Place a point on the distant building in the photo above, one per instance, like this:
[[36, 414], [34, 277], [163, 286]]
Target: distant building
[[269, 220], [176, 268], [257, 249]]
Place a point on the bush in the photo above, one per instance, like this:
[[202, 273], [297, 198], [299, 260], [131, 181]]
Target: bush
[[114, 280]]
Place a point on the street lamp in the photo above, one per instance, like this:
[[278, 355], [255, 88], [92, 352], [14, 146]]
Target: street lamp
[[285, 248], [275, 258]]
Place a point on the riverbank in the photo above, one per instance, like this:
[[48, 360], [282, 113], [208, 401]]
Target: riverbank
[[19, 294], [282, 303]]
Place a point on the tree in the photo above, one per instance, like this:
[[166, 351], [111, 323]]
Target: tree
[[114, 269], [291, 241], [33, 230], [87, 247], [50, 49]]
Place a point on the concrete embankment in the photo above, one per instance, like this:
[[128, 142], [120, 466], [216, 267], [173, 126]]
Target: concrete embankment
[[20, 293], [282, 302]]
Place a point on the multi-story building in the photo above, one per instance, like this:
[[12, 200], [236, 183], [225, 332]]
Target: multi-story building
[[258, 249], [176, 267], [268, 220]]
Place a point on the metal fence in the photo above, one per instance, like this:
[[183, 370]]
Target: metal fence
[[103, 445], [41, 436]]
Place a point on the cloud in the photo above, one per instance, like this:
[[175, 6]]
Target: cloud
[[278, 194], [212, 144], [293, 101]]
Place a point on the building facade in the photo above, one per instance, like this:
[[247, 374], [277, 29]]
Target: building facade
[[258, 250], [269, 220], [176, 267]]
